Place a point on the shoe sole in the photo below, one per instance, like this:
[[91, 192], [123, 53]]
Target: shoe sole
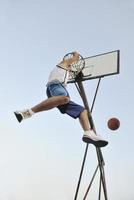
[[18, 116], [100, 143]]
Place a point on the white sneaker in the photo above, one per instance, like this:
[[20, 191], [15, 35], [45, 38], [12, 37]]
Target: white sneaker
[[91, 137], [20, 115]]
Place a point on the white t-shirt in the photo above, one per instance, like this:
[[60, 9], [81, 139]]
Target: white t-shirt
[[59, 74]]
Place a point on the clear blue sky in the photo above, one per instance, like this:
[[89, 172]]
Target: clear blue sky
[[41, 157]]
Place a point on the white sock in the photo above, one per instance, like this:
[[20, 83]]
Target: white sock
[[31, 112], [89, 132]]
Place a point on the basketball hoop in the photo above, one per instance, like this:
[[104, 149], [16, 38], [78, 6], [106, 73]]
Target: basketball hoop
[[77, 66]]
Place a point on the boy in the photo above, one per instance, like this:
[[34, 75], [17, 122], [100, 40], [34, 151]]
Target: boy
[[58, 96]]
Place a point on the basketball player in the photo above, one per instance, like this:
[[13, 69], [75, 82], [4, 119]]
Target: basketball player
[[58, 96]]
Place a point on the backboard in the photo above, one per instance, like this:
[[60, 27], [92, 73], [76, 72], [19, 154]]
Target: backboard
[[100, 65]]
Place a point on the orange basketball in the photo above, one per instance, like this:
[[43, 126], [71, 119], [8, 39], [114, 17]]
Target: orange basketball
[[113, 124]]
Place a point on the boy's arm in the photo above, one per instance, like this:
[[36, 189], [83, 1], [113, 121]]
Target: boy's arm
[[65, 63]]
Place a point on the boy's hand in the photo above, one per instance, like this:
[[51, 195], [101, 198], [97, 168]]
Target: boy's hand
[[75, 53], [68, 61]]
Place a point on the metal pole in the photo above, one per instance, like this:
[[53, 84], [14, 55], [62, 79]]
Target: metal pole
[[99, 197], [90, 183], [99, 153], [81, 172]]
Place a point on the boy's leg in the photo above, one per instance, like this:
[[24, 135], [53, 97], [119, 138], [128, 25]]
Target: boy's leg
[[47, 104], [50, 103], [89, 134], [83, 118], [77, 111]]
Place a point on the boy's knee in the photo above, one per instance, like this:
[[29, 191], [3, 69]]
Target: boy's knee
[[65, 100], [84, 111]]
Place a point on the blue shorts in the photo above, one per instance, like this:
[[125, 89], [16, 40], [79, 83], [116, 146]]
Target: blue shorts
[[56, 88]]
